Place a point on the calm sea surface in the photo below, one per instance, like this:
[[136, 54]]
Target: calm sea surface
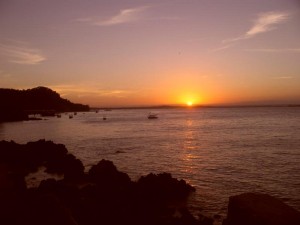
[[221, 151]]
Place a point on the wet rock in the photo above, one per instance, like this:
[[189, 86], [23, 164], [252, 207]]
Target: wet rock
[[10, 181], [106, 174], [163, 188], [47, 209], [74, 169], [186, 217], [205, 220], [25, 159], [68, 165], [260, 209], [104, 195], [160, 199]]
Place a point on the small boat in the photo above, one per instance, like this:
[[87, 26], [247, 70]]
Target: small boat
[[152, 116], [70, 116]]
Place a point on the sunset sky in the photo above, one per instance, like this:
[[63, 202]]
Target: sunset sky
[[137, 52]]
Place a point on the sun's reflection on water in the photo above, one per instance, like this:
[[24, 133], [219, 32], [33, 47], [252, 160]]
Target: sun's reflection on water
[[189, 146]]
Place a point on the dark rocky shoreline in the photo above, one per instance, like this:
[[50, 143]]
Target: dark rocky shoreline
[[104, 195]]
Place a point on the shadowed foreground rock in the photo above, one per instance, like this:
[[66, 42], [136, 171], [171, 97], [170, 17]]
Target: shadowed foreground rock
[[260, 209], [104, 195]]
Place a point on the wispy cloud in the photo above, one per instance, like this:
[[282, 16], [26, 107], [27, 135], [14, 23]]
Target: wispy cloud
[[221, 48], [124, 16], [278, 50], [90, 90], [22, 54], [265, 22]]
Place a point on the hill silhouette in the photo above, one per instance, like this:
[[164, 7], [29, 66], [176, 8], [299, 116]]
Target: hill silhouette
[[16, 104]]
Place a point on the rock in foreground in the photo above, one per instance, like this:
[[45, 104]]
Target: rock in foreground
[[104, 195], [260, 209]]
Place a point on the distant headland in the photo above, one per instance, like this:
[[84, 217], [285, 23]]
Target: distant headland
[[16, 105]]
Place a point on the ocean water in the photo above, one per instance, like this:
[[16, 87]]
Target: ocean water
[[220, 151]]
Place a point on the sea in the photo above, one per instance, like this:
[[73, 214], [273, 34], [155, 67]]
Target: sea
[[220, 151]]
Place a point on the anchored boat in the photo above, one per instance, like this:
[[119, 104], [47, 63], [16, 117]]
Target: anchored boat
[[152, 116]]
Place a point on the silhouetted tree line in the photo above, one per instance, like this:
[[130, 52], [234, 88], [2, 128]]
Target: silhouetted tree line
[[15, 104]]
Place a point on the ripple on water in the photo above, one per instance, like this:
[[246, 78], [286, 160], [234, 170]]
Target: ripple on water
[[221, 152]]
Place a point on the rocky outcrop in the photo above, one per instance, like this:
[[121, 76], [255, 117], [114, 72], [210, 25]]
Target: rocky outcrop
[[260, 209], [106, 174], [163, 188], [103, 195], [25, 159]]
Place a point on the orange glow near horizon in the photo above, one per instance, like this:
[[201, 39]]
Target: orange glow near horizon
[[190, 99], [189, 103], [187, 94]]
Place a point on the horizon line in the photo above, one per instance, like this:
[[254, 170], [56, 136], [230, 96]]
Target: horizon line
[[198, 106]]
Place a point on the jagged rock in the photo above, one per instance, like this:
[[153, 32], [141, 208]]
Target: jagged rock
[[73, 169], [106, 174], [10, 182], [24, 159], [47, 209], [260, 209], [163, 187], [104, 195]]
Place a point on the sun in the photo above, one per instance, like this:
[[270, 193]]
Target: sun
[[189, 103]]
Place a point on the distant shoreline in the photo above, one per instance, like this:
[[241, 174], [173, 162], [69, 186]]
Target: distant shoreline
[[194, 107]]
